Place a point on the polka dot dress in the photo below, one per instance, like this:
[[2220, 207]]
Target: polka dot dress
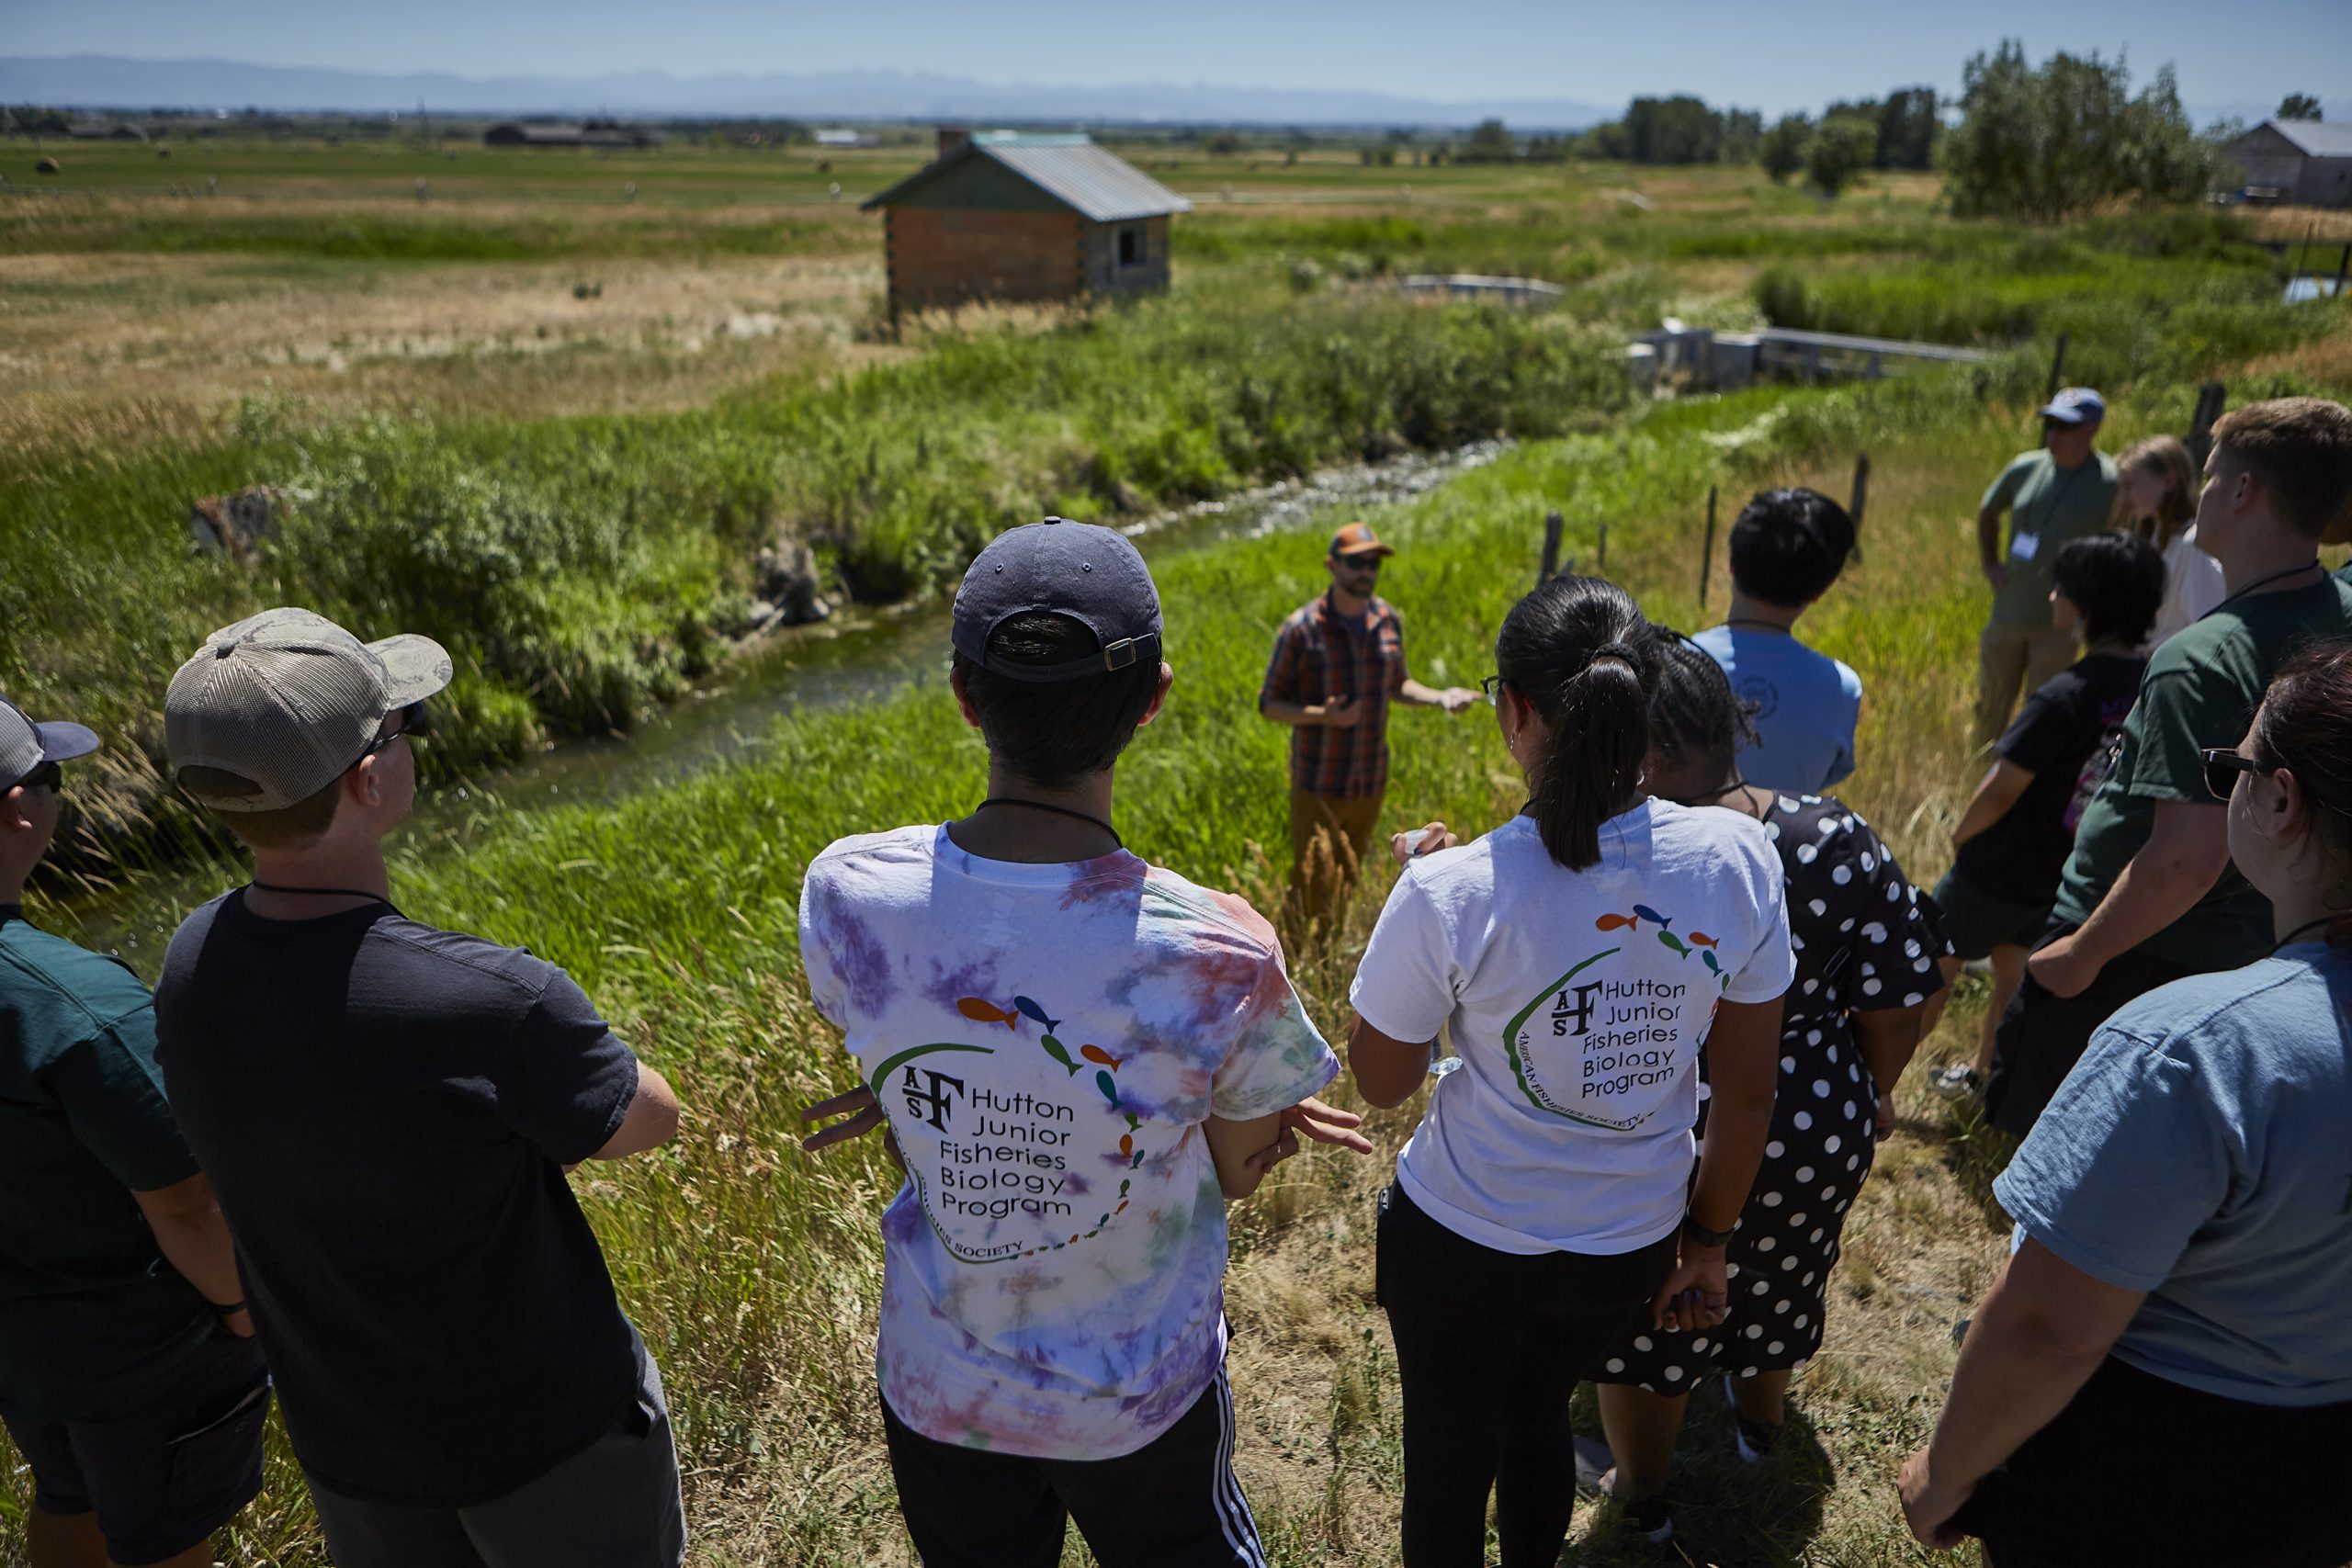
[[1865, 939]]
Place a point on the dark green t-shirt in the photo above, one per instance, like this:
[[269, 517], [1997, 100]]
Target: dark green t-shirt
[[90, 1313], [2200, 690], [2048, 505]]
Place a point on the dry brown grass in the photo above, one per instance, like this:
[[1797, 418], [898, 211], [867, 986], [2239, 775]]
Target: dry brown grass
[[2321, 225], [149, 347]]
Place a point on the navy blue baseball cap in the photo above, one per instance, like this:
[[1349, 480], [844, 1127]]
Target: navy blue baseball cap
[[26, 745], [1060, 567], [2076, 405]]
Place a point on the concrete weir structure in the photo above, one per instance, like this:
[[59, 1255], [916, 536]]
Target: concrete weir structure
[[1707, 360]]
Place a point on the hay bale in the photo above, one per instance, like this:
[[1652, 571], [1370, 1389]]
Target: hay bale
[[48, 166]]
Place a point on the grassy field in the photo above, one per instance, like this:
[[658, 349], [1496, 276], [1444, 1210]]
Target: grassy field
[[554, 427], [580, 563], [751, 1269]]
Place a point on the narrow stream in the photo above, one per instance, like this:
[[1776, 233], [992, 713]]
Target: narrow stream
[[859, 655]]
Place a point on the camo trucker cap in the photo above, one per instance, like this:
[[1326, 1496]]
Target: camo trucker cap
[[284, 702], [26, 745], [1092, 575]]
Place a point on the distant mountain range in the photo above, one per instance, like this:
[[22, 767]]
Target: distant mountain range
[[100, 81]]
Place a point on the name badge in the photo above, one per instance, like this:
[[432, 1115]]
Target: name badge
[[2024, 546]]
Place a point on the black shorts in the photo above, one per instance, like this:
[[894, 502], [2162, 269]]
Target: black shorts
[[1978, 921], [613, 1505], [2141, 1470], [163, 1477], [1173, 1502], [2042, 1036]]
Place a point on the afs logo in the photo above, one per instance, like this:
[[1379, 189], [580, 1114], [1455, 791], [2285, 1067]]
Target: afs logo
[[931, 1103]]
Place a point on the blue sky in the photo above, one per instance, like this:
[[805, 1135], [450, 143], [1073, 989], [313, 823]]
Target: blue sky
[[1795, 54]]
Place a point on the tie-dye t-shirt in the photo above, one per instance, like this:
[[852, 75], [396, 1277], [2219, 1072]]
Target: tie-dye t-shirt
[[1578, 1001], [1048, 1042]]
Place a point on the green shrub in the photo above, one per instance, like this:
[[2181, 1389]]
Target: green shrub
[[581, 570]]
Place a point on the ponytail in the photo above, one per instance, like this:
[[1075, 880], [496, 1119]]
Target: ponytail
[[1578, 651]]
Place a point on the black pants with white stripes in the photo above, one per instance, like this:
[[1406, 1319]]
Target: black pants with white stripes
[[1174, 1503]]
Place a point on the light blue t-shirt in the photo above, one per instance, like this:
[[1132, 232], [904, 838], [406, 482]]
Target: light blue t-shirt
[[1806, 704], [2201, 1151]]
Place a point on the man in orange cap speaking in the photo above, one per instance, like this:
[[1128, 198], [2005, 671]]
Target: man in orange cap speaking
[[1337, 663]]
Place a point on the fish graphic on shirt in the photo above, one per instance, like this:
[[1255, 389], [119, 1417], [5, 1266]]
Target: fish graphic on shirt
[[980, 1011], [1024, 1005], [1060, 1053]]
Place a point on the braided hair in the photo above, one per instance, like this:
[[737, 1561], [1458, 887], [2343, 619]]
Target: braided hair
[[1695, 717]]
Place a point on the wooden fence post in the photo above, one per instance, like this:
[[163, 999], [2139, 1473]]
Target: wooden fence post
[[2210, 398], [2057, 368], [1551, 548], [1707, 557], [1861, 498], [2343, 267]]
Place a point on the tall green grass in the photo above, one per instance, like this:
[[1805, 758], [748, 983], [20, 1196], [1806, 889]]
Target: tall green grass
[[752, 1270], [582, 569]]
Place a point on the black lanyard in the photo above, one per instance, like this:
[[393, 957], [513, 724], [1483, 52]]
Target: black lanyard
[[2267, 577], [321, 892], [1056, 810], [2050, 510]]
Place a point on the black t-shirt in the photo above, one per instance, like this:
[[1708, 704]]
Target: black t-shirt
[[2064, 737], [384, 1110]]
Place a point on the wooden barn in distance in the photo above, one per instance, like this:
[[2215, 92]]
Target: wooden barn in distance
[[2301, 162], [1023, 218]]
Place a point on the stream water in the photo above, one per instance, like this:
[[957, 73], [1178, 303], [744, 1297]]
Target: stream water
[[858, 655]]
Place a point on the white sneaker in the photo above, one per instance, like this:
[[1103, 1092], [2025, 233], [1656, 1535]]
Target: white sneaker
[[1646, 1522], [1956, 1080], [1753, 1437]]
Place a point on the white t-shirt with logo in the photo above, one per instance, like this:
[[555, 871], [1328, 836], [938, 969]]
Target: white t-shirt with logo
[[1047, 1041], [1578, 1001]]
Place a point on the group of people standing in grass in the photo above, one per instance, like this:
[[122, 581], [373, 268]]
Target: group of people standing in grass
[[1658, 1013], [2159, 866], [379, 1112]]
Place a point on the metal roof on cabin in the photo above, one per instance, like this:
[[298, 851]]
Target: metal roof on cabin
[[2318, 140], [1102, 187]]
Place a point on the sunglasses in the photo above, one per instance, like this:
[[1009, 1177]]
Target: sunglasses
[[2224, 766], [406, 723], [47, 776]]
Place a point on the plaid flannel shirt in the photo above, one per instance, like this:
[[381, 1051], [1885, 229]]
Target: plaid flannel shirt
[[1319, 657]]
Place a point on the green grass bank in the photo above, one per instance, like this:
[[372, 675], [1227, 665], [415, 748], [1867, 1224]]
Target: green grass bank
[[754, 1271], [582, 569]]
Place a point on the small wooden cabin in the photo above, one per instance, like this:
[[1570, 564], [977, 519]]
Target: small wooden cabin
[[2301, 162], [1023, 218]]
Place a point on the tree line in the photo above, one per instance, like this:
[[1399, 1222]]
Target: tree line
[[2038, 142]]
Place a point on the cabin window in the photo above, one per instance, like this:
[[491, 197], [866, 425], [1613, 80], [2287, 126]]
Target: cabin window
[[1131, 252]]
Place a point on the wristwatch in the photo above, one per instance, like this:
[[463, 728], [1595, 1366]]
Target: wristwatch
[[1703, 1235]]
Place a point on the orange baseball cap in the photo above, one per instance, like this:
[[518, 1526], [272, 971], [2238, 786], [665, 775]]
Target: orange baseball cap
[[1357, 539]]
